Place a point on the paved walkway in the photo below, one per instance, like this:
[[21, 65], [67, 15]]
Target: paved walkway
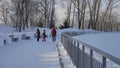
[[29, 54]]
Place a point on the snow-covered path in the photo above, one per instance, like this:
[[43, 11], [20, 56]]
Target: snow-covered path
[[29, 54]]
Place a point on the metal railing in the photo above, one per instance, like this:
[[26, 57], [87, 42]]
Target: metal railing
[[81, 58]]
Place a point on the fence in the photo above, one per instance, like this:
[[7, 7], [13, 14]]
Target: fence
[[81, 58]]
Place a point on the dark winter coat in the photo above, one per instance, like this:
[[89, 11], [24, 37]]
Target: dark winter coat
[[38, 33]]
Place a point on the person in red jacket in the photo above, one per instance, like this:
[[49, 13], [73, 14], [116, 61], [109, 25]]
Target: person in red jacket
[[53, 33]]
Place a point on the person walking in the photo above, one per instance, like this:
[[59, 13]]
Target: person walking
[[53, 33], [44, 36], [38, 34]]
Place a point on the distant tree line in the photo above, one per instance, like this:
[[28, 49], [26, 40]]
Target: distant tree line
[[99, 14], [29, 13], [91, 14]]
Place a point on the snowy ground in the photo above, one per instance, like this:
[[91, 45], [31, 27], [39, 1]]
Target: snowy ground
[[33, 54], [29, 54]]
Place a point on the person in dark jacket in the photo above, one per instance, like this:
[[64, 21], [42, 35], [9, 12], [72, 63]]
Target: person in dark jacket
[[38, 34], [53, 33], [44, 36]]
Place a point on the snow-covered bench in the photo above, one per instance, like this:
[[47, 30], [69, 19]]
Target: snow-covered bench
[[13, 38], [25, 37]]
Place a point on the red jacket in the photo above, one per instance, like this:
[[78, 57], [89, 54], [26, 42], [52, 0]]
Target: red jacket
[[53, 32]]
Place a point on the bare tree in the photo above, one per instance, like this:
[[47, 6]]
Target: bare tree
[[94, 9], [107, 15], [97, 15], [69, 4], [73, 16], [49, 8], [28, 12], [5, 12], [81, 8], [52, 23]]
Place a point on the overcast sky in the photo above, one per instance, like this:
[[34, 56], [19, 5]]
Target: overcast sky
[[60, 11]]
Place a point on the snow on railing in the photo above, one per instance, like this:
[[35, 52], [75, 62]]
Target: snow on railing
[[81, 32], [82, 59]]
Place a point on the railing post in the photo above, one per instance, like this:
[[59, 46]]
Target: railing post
[[91, 58], [78, 58], [61, 37], [73, 52], [82, 56], [104, 62]]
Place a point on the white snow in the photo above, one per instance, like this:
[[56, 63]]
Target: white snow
[[107, 42], [33, 54], [28, 53]]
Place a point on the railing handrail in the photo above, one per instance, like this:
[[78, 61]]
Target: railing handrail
[[106, 55]]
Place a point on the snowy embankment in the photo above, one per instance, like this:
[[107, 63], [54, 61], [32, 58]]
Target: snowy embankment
[[107, 42]]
